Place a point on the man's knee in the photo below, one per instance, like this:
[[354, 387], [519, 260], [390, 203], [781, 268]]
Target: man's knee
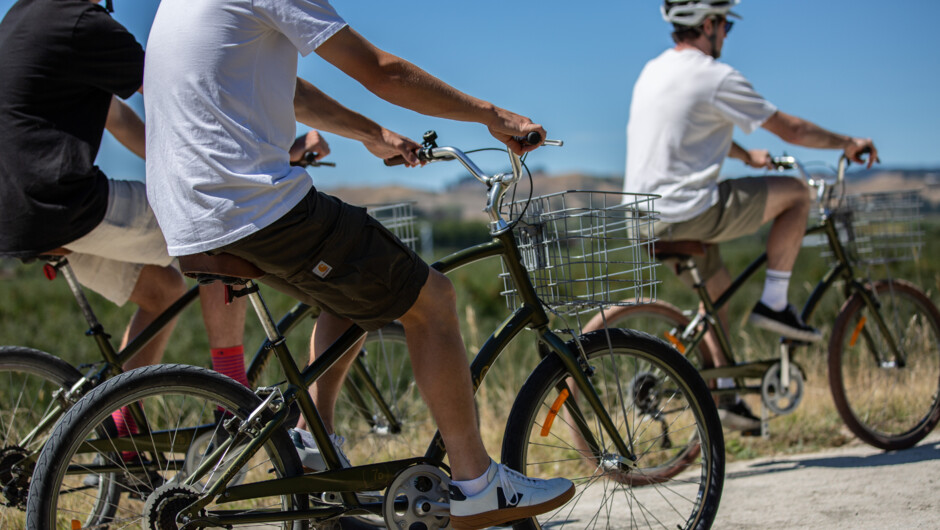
[[157, 287], [437, 299]]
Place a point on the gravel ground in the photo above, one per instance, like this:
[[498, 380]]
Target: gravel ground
[[851, 487]]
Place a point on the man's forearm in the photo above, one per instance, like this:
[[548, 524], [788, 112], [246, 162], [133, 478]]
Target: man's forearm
[[314, 108], [126, 127], [802, 132]]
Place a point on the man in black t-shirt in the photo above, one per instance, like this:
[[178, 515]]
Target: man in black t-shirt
[[64, 65]]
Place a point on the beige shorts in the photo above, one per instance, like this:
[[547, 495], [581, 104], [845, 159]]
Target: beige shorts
[[739, 212], [108, 260]]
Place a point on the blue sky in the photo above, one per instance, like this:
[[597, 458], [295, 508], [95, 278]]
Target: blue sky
[[861, 67]]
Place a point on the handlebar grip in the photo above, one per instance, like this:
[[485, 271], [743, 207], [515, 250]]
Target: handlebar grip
[[533, 138], [396, 160]]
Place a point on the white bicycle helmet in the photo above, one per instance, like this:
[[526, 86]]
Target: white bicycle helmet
[[693, 12]]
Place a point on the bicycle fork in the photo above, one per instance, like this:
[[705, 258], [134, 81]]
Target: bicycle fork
[[579, 372]]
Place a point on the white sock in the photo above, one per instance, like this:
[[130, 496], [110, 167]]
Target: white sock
[[725, 382], [473, 486], [776, 285]]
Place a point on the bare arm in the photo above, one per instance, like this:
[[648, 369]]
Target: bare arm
[[794, 130], [404, 84], [314, 108], [126, 126], [758, 158]]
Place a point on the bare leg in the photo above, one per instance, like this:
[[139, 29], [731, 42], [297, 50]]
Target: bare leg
[[788, 205], [442, 373], [716, 286], [156, 289], [225, 324], [326, 389]]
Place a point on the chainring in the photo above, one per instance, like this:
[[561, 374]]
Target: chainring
[[423, 489], [779, 399]]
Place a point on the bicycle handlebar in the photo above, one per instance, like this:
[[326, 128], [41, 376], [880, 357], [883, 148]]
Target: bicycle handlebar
[[309, 159], [497, 184]]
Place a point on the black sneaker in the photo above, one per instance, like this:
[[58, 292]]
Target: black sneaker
[[737, 416], [785, 322]]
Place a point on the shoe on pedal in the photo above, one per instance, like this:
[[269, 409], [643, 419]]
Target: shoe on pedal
[[786, 322], [508, 496], [310, 455], [737, 416]]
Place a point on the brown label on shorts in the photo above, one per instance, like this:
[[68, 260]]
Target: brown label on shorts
[[322, 269]]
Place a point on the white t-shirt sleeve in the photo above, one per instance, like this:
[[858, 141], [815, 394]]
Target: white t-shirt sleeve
[[306, 23], [737, 100]]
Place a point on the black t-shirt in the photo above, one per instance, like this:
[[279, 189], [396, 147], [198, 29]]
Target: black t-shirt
[[60, 63]]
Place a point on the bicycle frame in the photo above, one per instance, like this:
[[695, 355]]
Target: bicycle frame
[[842, 269], [377, 476]]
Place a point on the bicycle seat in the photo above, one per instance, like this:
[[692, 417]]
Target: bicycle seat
[[223, 267], [663, 250]]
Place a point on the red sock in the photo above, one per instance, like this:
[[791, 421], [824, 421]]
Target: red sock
[[230, 362], [125, 425]]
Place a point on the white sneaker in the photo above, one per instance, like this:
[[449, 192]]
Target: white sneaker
[[310, 455], [509, 496]]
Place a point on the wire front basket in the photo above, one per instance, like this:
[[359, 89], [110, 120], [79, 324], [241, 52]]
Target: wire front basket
[[880, 228], [585, 249], [399, 219]]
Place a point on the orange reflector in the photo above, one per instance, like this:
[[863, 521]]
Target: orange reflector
[[675, 342], [76, 524], [858, 331], [550, 417]]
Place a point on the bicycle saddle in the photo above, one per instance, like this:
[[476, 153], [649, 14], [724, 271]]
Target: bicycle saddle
[[224, 267]]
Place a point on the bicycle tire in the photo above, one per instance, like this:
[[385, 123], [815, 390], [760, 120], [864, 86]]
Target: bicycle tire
[[885, 406], [28, 380], [660, 319], [644, 366], [174, 398]]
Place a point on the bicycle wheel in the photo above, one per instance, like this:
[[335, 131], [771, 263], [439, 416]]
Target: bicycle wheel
[[884, 404], [179, 403], [660, 319], [384, 370], [29, 380], [660, 406]]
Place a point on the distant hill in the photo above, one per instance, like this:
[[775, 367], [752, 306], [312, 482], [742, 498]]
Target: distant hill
[[464, 199]]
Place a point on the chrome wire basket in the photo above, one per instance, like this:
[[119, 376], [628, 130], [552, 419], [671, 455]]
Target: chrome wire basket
[[880, 228], [399, 219], [585, 249]]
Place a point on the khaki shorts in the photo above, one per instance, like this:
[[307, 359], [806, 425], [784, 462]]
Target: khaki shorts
[[327, 253], [108, 260], [739, 212]]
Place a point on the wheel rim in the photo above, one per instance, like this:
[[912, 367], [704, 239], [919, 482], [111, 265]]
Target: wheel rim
[[886, 402]]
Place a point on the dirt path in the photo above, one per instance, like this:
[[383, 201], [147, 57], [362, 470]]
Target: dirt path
[[854, 487]]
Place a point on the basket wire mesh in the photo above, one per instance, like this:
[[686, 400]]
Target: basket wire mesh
[[585, 249], [399, 219], [879, 228]]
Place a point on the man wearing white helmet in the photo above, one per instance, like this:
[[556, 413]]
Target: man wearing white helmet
[[684, 109]]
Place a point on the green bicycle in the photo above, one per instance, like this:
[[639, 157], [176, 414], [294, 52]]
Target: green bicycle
[[600, 409]]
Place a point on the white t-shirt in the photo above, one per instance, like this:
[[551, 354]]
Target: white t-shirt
[[682, 116], [219, 83]]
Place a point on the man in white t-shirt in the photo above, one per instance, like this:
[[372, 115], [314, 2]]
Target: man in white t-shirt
[[684, 109], [222, 102]]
